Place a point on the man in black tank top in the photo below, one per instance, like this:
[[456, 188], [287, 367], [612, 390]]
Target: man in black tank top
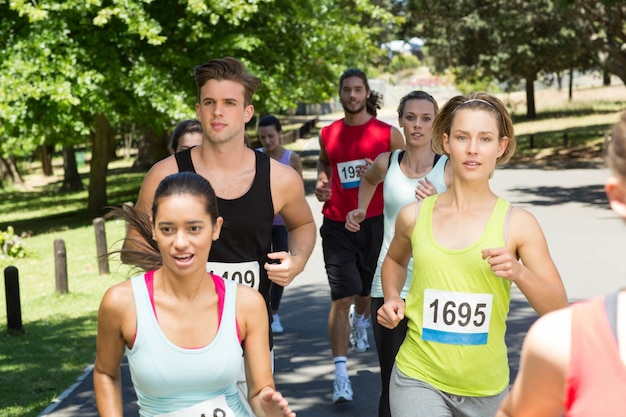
[[250, 187]]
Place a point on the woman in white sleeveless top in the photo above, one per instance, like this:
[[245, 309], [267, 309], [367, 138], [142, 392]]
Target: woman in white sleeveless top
[[414, 173]]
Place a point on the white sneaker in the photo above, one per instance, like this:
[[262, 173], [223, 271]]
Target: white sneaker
[[342, 390], [358, 332], [277, 327]]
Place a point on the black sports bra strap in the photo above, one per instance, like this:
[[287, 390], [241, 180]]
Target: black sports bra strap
[[400, 155], [184, 162], [610, 304]]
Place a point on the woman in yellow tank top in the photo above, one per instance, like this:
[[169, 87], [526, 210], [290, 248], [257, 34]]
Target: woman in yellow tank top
[[468, 247]]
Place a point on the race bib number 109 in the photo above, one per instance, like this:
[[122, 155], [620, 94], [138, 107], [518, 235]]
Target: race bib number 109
[[456, 318], [246, 273]]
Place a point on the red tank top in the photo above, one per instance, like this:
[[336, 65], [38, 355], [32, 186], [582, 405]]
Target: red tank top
[[346, 147], [596, 376]]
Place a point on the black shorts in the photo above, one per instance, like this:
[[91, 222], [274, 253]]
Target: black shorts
[[350, 258]]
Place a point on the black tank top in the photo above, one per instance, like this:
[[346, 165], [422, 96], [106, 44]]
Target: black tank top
[[246, 237]]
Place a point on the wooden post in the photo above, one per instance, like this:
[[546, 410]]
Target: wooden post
[[531, 141], [60, 266], [565, 140], [101, 245], [12, 295]]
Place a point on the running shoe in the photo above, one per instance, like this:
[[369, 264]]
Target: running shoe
[[358, 332], [342, 390], [277, 327]]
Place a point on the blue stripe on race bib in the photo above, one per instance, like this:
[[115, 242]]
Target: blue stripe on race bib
[[454, 338], [351, 184]]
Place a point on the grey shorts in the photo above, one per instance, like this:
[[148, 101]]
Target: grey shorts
[[410, 397]]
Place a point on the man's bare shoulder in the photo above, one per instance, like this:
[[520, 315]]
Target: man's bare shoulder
[[284, 174], [151, 181]]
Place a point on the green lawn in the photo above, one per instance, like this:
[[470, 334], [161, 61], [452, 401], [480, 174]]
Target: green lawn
[[59, 329]]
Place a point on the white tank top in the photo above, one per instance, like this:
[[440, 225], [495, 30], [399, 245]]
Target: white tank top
[[398, 191], [169, 378]]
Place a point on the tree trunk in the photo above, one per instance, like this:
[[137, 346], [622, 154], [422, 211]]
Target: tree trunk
[[606, 78], [530, 97], [571, 84], [101, 140], [15, 173], [150, 149], [559, 80], [8, 170], [71, 179], [45, 155], [4, 172]]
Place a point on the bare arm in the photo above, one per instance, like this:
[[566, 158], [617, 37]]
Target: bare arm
[[110, 345], [536, 276], [264, 400], [394, 269], [540, 384], [324, 172], [296, 163], [374, 176], [290, 202]]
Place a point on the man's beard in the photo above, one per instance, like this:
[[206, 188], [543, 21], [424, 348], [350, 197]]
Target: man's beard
[[353, 111]]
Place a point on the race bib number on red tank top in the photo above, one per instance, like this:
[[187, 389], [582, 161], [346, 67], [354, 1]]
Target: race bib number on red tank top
[[215, 407], [246, 273], [456, 318], [348, 173]]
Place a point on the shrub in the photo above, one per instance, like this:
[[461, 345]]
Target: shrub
[[11, 245]]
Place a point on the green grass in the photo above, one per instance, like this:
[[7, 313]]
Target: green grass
[[45, 209], [583, 120], [59, 329]]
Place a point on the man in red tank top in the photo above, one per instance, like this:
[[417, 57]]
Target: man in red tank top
[[347, 148]]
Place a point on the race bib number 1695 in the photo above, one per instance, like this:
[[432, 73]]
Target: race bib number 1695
[[456, 318]]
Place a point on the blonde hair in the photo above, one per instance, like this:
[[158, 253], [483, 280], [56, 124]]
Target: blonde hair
[[616, 151], [476, 101]]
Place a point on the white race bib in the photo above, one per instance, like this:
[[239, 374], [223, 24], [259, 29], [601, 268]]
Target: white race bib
[[246, 273], [456, 318], [348, 173], [215, 407]]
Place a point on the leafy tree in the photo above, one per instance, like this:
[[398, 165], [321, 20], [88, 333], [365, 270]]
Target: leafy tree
[[72, 70], [507, 40], [603, 31]]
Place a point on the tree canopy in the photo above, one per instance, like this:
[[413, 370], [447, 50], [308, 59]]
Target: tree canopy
[[514, 40], [73, 71]]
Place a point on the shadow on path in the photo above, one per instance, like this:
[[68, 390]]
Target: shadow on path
[[592, 195]]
